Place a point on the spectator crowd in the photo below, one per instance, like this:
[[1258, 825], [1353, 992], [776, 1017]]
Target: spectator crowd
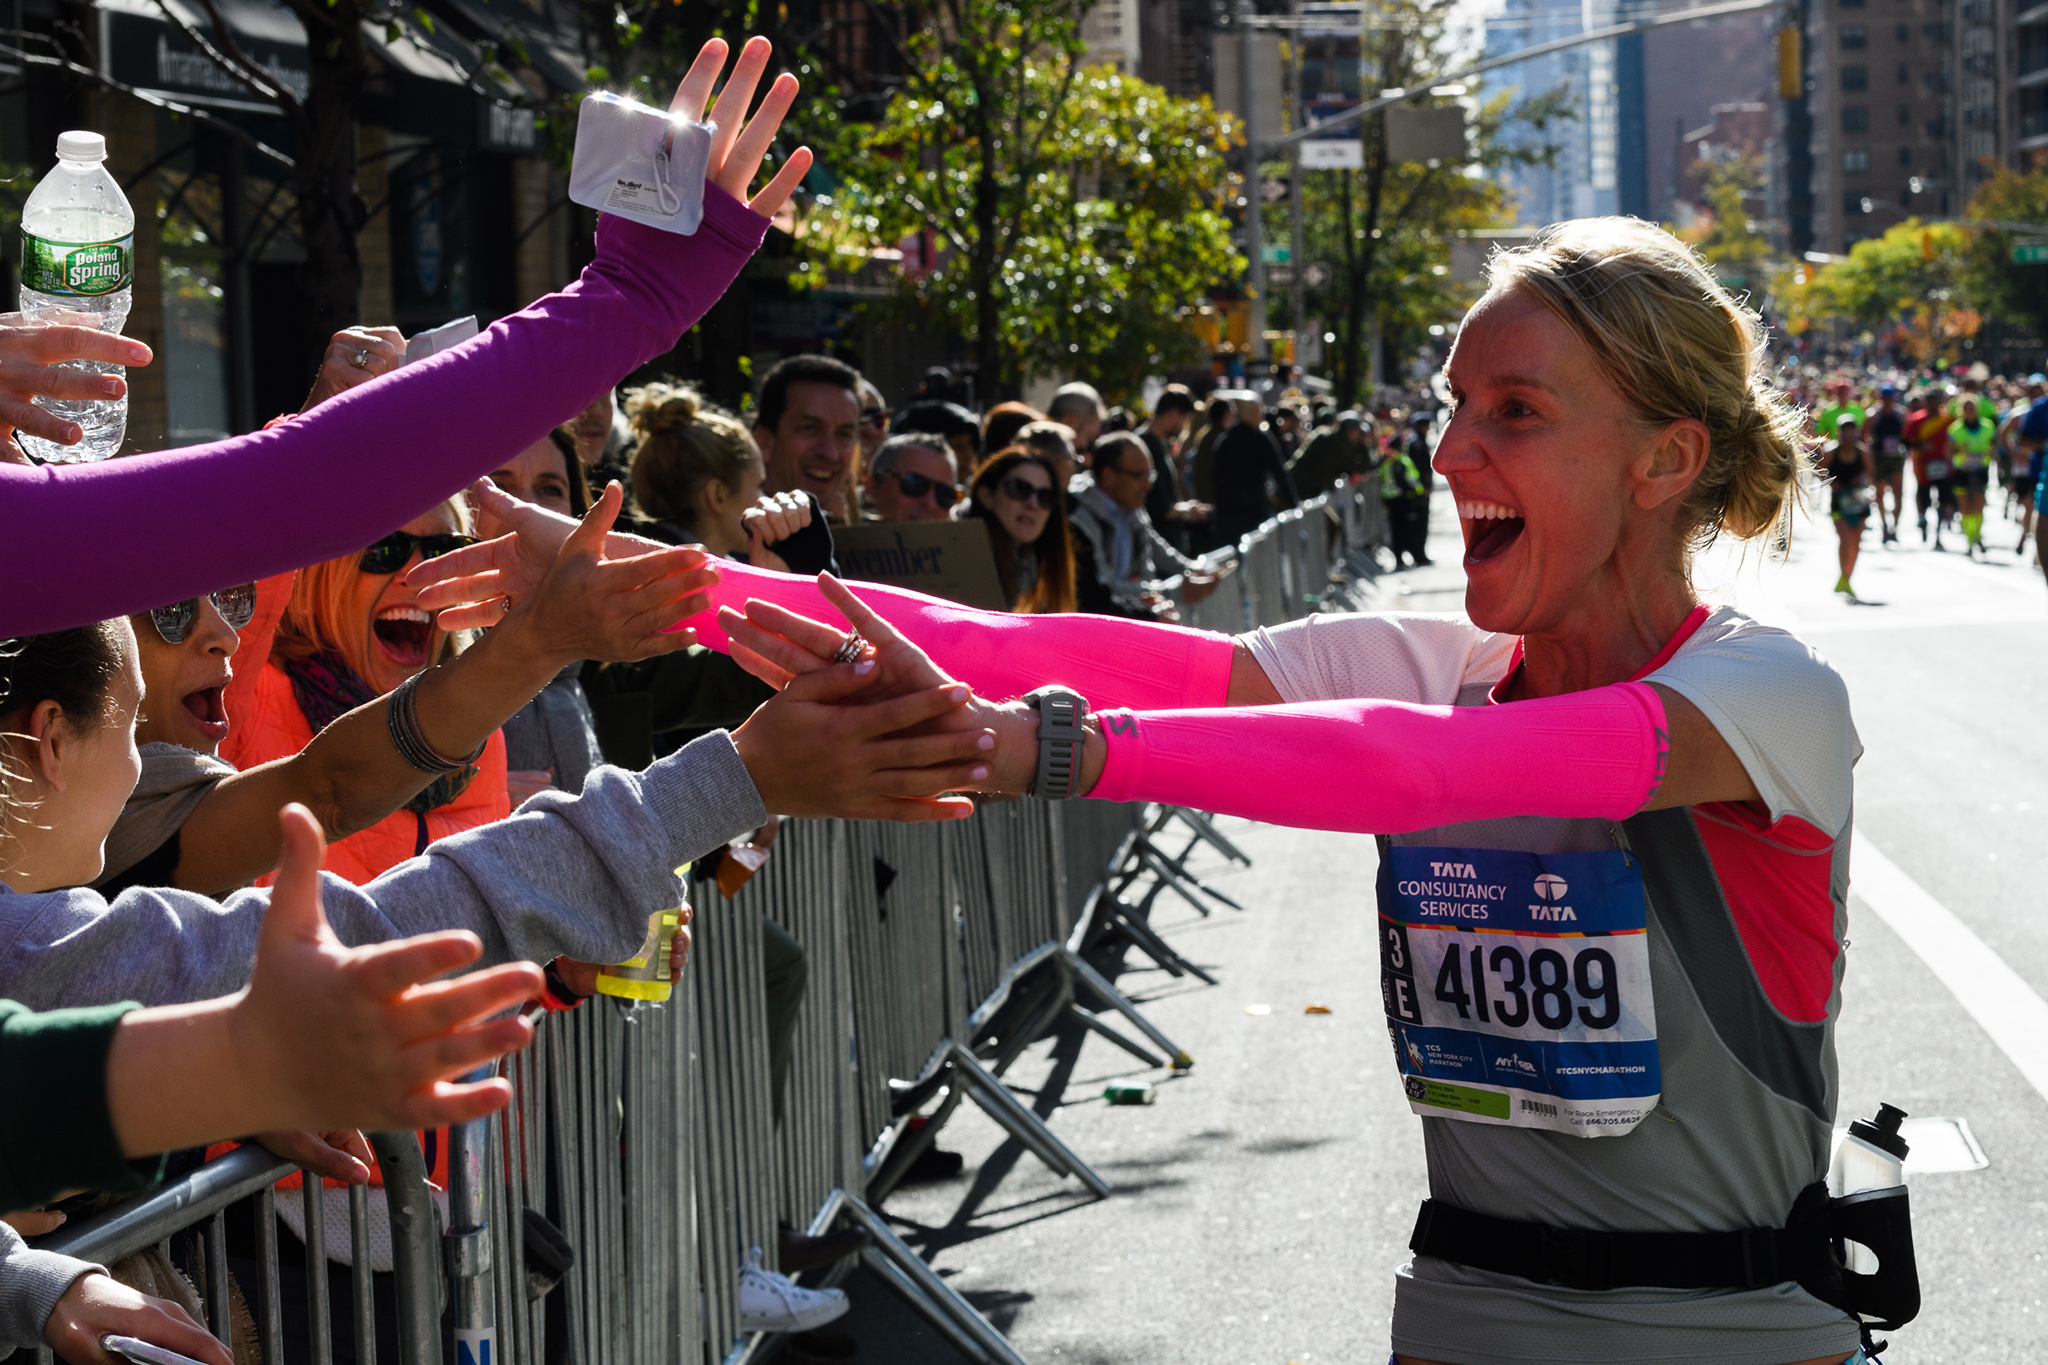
[[264, 783]]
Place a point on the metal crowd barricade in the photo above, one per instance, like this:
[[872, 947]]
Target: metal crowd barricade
[[245, 1179], [646, 1135]]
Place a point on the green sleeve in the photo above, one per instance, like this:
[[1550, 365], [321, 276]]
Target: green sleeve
[[56, 1132]]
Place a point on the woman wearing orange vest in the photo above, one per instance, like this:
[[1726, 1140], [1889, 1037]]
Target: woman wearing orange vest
[[351, 633]]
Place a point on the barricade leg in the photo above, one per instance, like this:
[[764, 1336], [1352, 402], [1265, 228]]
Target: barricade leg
[[1107, 913], [1028, 1128], [1205, 832], [966, 1078], [931, 1297], [1093, 1022], [1116, 1000]]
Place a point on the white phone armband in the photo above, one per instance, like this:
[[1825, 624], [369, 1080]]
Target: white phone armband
[[641, 163]]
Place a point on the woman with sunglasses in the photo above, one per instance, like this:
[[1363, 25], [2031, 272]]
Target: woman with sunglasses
[[331, 480], [1015, 494], [204, 824], [351, 632]]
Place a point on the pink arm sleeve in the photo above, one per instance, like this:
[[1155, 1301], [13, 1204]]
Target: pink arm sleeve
[[1383, 767], [1107, 659], [86, 542]]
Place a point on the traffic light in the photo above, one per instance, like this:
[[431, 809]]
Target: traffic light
[[1791, 71]]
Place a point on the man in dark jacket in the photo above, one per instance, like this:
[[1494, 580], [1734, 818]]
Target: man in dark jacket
[[1339, 450], [1251, 479]]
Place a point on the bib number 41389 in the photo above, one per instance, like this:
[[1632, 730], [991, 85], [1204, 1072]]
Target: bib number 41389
[[1517, 987]]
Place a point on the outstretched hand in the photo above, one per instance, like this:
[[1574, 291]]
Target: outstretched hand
[[815, 749], [546, 555], [786, 650], [590, 605], [738, 143], [325, 1037], [350, 1037]]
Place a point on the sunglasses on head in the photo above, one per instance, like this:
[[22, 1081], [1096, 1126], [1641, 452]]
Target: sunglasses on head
[[237, 607], [874, 417], [394, 552], [915, 486], [1023, 490]]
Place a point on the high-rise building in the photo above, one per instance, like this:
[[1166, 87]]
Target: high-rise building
[[1581, 181], [1912, 104]]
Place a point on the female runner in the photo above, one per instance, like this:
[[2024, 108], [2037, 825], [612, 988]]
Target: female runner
[[1627, 1080]]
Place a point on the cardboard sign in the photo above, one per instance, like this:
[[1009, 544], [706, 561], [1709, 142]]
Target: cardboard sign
[[949, 559]]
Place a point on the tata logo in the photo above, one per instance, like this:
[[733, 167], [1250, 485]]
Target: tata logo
[[1551, 912], [1550, 887], [1454, 870]]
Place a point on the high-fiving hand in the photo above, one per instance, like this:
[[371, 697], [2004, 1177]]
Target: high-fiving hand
[[739, 143]]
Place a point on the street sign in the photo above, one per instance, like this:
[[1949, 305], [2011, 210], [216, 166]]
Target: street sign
[[1274, 255], [2030, 253], [1280, 276], [1273, 189], [1315, 275], [1332, 154]]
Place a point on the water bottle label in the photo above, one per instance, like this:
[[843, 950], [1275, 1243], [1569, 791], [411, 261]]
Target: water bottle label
[[86, 270]]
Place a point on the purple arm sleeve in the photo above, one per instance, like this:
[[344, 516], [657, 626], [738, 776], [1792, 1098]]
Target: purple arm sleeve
[[1108, 660], [86, 542], [1384, 767]]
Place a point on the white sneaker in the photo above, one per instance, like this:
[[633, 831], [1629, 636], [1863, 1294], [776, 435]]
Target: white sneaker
[[775, 1303]]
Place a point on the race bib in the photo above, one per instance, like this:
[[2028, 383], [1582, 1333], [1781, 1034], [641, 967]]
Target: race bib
[[1888, 446], [1937, 469], [1517, 987]]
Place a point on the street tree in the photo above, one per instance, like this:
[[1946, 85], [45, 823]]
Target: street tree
[[1073, 211], [1911, 283], [2002, 286]]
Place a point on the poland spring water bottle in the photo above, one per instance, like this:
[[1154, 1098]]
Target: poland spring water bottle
[[78, 255]]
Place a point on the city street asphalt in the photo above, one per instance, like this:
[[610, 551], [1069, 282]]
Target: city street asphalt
[[1263, 1202]]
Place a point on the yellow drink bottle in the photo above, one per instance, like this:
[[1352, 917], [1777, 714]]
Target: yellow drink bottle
[[647, 975]]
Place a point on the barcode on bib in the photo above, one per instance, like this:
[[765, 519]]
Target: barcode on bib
[[1548, 1111]]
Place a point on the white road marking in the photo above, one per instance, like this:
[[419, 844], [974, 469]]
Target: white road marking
[[1994, 994]]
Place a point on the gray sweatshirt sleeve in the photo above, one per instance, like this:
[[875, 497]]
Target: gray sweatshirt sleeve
[[31, 1282], [574, 875]]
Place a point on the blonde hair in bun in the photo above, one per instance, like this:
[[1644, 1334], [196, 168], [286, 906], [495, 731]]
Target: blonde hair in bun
[[1675, 344], [684, 443]]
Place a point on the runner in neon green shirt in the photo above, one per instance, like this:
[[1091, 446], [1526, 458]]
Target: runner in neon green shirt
[[1969, 439]]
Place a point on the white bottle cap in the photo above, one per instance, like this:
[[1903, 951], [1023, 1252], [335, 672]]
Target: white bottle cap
[[81, 146]]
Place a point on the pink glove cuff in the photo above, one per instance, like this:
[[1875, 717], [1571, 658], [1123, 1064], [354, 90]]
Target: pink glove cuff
[[1108, 660], [1381, 767]]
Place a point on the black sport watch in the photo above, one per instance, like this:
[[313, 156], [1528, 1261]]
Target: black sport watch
[[1060, 712]]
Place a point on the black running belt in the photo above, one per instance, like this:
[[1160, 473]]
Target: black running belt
[[1580, 1258]]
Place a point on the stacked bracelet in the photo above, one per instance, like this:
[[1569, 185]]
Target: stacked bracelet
[[402, 715]]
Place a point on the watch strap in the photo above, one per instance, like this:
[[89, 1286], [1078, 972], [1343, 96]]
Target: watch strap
[[1060, 713]]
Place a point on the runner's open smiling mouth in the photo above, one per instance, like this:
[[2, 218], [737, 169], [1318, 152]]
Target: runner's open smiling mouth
[[1491, 529]]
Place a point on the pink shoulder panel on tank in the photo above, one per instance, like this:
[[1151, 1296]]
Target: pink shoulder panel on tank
[[1776, 879]]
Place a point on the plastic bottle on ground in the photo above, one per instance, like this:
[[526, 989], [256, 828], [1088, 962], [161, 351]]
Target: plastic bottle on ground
[[78, 256]]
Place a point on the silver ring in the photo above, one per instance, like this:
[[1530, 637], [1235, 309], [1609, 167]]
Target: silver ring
[[361, 360], [850, 649]]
